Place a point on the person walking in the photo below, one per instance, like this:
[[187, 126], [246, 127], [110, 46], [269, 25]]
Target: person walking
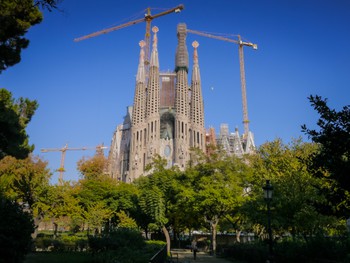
[[194, 248]]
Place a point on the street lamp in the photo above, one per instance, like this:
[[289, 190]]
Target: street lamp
[[268, 190]]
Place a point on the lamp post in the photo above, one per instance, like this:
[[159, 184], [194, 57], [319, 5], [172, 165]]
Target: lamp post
[[268, 190]]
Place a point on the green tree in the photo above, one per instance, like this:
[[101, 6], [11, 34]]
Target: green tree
[[296, 191], [16, 17], [14, 118], [64, 207], [218, 186], [157, 195], [96, 215], [332, 161], [116, 201], [27, 182]]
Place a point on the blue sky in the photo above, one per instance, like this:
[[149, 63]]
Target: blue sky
[[83, 88]]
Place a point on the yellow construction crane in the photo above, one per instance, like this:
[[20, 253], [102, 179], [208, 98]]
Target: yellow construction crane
[[240, 44], [148, 19], [99, 150]]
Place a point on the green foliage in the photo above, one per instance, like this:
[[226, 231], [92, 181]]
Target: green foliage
[[102, 198], [123, 245], [64, 207], [96, 215], [332, 161], [157, 196], [27, 182], [247, 252], [14, 118], [92, 168], [214, 189], [124, 221], [62, 243], [16, 18], [317, 249], [296, 190], [59, 257], [156, 192], [153, 204], [16, 227]]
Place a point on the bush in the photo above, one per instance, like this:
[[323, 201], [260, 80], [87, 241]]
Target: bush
[[249, 252], [122, 238], [124, 245], [315, 250], [62, 243], [16, 228]]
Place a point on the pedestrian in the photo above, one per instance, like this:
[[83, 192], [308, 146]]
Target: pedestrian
[[194, 248]]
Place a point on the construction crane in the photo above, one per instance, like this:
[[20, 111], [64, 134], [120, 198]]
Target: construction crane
[[148, 19], [240, 44], [99, 150]]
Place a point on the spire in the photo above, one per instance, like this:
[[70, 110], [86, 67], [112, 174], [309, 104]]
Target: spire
[[181, 60], [140, 77], [154, 55], [195, 72]]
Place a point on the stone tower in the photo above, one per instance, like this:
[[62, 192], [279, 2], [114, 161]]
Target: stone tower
[[167, 115]]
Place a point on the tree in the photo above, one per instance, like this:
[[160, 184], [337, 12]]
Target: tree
[[96, 215], [113, 201], [14, 118], [332, 161], [16, 227], [296, 194], [93, 167], [26, 182], [64, 207], [157, 195], [218, 187], [16, 17]]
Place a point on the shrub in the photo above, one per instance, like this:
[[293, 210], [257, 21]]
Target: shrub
[[314, 250], [62, 243], [16, 228], [124, 245], [249, 252]]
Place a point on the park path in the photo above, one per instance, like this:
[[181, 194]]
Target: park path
[[186, 256]]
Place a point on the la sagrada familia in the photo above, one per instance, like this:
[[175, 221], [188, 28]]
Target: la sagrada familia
[[167, 117]]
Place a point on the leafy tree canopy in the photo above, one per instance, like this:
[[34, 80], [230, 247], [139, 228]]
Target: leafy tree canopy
[[16, 17], [93, 168], [332, 161], [26, 182], [296, 196], [14, 118]]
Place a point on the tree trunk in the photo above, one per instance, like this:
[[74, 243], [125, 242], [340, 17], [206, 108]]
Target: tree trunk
[[37, 220], [238, 235], [213, 222], [167, 237], [146, 233], [55, 229], [214, 231]]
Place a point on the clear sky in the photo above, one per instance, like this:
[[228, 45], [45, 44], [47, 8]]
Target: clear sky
[[83, 88]]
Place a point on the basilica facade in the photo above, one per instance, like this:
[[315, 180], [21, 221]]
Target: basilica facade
[[167, 116]]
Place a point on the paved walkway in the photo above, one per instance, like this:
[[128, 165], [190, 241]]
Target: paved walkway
[[186, 256]]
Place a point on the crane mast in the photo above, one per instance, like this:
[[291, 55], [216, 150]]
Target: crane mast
[[148, 19], [240, 44], [63, 150]]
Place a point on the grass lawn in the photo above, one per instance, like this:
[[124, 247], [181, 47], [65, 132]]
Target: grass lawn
[[59, 257]]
